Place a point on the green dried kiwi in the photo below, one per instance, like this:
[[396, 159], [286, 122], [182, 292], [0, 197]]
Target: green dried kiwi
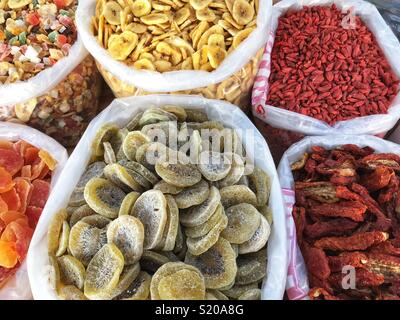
[[206, 125], [252, 294], [141, 155], [109, 154], [167, 188], [127, 233], [132, 142], [104, 134], [151, 261], [244, 180], [63, 240], [104, 197], [237, 290], [72, 271], [203, 229], [70, 210], [122, 177], [212, 140], [236, 172], [178, 111], [85, 241], [267, 213], [170, 255], [139, 179], [96, 220], [218, 264], [261, 185], [243, 221], [79, 213], [232, 142], [139, 289], [77, 198], [180, 244], [151, 209], [227, 287], [235, 248], [196, 115], [94, 170], [215, 295], [198, 215], [252, 267], [195, 146], [54, 273], [140, 169], [193, 196], [258, 240], [177, 281], [162, 132], [181, 175], [214, 166], [133, 124], [197, 246], [127, 203], [128, 275], [167, 242], [103, 272], [237, 194], [151, 116], [71, 293], [54, 231]]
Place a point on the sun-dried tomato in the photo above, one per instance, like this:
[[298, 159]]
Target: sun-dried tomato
[[354, 259], [346, 209], [316, 261], [333, 227], [363, 278], [321, 294]]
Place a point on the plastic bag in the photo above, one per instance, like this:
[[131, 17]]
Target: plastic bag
[[297, 283], [59, 101], [232, 81], [119, 112], [279, 120], [17, 287]]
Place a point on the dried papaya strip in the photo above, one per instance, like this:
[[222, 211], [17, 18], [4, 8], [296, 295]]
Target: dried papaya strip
[[359, 241], [354, 259], [11, 161], [47, 159], [10, 216], [26, 172], [33, 214], [3, 205], [334, 227], [20, 147], [346, 209], [5, 144]]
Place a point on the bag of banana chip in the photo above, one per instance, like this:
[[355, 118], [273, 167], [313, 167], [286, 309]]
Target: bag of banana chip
[[202, 47], [159, 187]]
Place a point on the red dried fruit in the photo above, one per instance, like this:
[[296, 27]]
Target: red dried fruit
[[6, 182], [346, 209], [40, 193], [11, 198], [333, 227], [363, 277], [30, 155], [11, 161], [316, 261], [33, 214], [377, 179], [354, 259], [24, 190]]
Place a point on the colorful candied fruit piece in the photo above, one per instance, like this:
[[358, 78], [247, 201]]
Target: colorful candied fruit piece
[[6, 182], [40, 193], [24, 190], [8, 254], [33, 214], [11, 161], [11, 198], [48, 159], [31, 154]]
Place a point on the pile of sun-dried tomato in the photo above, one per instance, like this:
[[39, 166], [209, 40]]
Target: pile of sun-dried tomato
[[347, 217]]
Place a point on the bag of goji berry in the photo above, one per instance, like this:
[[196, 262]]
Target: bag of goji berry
[[330, 67], [47, 79], [17, 287], [297, 285]]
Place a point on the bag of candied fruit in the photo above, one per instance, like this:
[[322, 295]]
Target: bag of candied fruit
[[330, 67], [30, 164], [342, 203], [47, 80], [208, 48], [135, 117]]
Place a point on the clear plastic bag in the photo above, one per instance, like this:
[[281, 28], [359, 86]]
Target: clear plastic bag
[[59, 101], [17, 287], [120, 112], [297, 282], [232, 81], [299, 125]]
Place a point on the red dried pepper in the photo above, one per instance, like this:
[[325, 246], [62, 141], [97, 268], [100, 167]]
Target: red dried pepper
[[360, 241]]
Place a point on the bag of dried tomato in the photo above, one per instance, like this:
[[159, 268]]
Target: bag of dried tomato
[[330, 67], [341, 195], [47, 80]]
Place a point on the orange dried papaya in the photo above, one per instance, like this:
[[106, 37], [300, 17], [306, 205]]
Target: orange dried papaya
[[8, 254], [12, 199], [40, 193], [31, 154], [6, 182], [24, 190], [11, 161], [33, 214]]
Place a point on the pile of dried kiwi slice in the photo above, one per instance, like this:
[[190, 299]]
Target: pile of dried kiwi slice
[[166, 209]]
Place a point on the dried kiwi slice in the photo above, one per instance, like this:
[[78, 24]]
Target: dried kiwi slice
[[237, 290], [96, 220], [178, 111], [261, 185], [236, 172], [193, 196], [140, 169], [258, 240], [252, 294], [109, 154], [104, 134], [94, 170], [104, 197], [132, 142], [167, 188], [63, 240], [54, 231], [151, 209], [214, 166], [237, 194], [127, 203], [181, 175], [243, 221], [128, 275], [252, 267], [122, 177], [218, 264], [177, 281], [139, 289], [72, 271], [203, 229], [80, 213], [71, 293], [267, 213], [54, 273], [171, 227], [133, 124], [103, 272], [127, 233], [215, 295], [197, 215], [151, 261], [196, 115]]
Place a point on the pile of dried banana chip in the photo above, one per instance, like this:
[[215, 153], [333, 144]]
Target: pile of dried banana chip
[[166, 35], [154, 219]]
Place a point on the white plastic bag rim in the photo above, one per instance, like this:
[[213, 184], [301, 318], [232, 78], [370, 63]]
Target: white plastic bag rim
[[44, 81], [17, 287], [152, 81], [119, 112], [307, 125], [286, 179]]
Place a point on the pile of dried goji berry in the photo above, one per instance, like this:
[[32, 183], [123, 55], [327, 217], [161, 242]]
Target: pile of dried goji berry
[[328, 65], [347, 214], [25, 174]]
